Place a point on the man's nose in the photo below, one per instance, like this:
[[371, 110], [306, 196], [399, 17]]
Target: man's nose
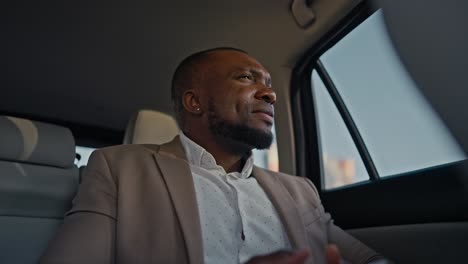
[[266, 94]]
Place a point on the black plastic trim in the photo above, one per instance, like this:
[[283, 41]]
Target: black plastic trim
[[431, 195], [349, 122], [308, 158], [307, 143]]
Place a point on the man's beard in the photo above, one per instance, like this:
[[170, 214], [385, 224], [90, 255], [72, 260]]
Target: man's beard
[[237, 133]]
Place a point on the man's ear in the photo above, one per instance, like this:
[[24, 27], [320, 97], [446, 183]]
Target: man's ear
[[191, 102]]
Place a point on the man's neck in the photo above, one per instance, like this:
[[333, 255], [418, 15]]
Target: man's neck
[[224, 155]]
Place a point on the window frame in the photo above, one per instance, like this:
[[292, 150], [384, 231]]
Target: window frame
[[308, 158], [413, 197]]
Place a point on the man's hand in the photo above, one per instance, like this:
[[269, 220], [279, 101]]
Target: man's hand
[[332, 254], [281, 257], [295, 257]]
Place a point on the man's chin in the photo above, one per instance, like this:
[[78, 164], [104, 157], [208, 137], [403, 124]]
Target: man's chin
[[258, 138], [245, 135], [261, 127], [254, 135]]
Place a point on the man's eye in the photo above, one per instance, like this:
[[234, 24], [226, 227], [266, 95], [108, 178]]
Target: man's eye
[[248, 77]]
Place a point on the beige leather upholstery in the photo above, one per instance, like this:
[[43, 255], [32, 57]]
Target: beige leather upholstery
[[150, 127]]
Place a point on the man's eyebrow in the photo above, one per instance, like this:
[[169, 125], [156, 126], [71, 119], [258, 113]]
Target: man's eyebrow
[[256, 72], [264, 73], [252, 70]]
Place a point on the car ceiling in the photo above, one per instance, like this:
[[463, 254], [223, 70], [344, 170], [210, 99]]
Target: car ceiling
[[96, 62]]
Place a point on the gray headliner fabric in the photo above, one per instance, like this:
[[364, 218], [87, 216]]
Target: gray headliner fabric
[[36, 142]]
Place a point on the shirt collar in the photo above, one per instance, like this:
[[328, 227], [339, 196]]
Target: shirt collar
[[198, 156]]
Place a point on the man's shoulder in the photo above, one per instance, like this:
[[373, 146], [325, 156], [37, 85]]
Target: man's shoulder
[[301, 189], [292, 182], [128, 148], [282, 176]]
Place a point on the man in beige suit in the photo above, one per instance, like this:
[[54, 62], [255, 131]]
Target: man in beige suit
[[199, 198]]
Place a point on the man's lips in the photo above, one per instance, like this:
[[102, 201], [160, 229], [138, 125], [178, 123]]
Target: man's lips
[[266, 115]]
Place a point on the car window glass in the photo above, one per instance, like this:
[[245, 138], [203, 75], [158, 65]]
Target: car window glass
[[401, 130], [82, 156], [268, 158], [341, 162]]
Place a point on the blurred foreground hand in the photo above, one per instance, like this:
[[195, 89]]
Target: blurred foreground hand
[[295, 257]]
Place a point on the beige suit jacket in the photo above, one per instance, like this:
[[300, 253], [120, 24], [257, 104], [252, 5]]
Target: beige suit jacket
[[137, 204]]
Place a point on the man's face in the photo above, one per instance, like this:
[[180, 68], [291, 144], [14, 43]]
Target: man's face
[[240, 99]]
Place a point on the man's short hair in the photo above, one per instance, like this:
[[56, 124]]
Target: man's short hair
[[184, 77]]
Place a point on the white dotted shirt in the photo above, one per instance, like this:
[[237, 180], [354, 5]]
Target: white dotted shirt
[[238, 221]]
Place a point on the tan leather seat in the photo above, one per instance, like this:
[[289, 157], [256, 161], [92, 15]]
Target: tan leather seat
[[150, 127]]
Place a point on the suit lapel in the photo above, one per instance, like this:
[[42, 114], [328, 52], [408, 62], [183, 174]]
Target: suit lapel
[[176, 172], [178, 177], [285, 206]]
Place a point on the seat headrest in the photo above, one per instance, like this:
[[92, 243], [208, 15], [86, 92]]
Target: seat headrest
[[27, 141], [150, 127]]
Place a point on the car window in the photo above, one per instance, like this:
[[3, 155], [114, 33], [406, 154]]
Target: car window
[[341, 162], [82, 156], [400, 130], [267, 159]]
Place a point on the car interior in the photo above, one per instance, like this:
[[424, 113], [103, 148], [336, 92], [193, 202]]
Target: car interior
[[370, 107]]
